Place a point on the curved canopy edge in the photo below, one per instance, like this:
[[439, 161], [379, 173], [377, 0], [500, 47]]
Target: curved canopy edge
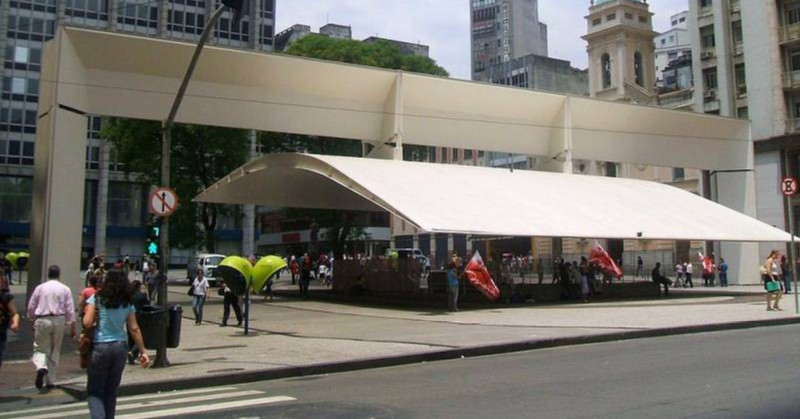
[[488, 201]]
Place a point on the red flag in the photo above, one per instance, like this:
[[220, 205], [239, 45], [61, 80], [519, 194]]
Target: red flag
[[479, 277], [601, 258], [708, 263]]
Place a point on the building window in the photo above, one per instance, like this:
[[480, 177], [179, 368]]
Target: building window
[[743, 113], [611, 17], [629, 16], [125, 204], [597, 21], [736, 32], [92, 157], [232, 30], [637, 68], [88, 9], [710, 78], [21, 54], [794, 60], [15, 199], [707, 36], [643, 19], [705, 3], [19, 85], [611, 169], [741, 80], [678, 173], [791, 14], [605, 68], [139, 16]]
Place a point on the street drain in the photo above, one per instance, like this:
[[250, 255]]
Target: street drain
[[224, 370]]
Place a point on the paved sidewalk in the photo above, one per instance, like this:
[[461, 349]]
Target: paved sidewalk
[[291, 337]]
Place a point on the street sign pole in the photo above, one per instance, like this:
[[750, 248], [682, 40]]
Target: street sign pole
[[789, 187], [791, 254]]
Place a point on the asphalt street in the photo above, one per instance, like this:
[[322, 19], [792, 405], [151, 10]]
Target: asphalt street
[[752, 373]]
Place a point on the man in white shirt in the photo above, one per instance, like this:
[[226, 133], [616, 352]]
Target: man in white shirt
[[689, 275]]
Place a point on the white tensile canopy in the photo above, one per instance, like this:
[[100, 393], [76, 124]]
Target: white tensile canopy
[[487, 201]]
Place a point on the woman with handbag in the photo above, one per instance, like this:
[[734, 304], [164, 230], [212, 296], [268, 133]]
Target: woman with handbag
[[771, 275], [112, 309]]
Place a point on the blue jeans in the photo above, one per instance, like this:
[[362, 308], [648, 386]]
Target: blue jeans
[[197, 307], [104, 375], [452, 298], [787, 283]]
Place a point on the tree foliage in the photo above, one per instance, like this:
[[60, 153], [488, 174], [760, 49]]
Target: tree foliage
[[381, 53], [200, 155]]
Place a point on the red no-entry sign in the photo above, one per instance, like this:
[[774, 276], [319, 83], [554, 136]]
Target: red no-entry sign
[[788, 186], [163, 202]]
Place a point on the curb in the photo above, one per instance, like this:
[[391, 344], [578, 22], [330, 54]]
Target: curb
[[79, 392]]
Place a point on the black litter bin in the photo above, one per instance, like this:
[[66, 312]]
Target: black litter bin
[[174, 326], [153, 323]]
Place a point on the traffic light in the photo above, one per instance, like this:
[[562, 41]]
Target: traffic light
[[152, 244]]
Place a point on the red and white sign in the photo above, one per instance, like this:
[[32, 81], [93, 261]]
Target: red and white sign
[[163, 202], [789, 186]]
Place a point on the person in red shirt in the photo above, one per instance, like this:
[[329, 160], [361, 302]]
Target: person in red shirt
[[294, 268], [87, 293]]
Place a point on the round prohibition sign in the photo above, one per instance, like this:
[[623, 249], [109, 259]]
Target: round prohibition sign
[[789, 186], [163, 202]]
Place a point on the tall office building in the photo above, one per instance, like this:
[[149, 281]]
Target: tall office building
[[503, 30], [115, 211], [749, 67]]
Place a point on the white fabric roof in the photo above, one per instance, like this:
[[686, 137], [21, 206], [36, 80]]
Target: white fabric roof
[[488, 201]]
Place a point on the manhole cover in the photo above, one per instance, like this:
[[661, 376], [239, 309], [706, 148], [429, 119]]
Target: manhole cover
[[224, 370]]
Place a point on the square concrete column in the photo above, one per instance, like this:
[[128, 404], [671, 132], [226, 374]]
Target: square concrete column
[[433, 249], [58, 188]]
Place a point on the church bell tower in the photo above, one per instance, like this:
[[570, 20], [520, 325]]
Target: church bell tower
[[621, 51]]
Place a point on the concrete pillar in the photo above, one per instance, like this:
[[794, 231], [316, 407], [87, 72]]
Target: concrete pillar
[[450, 245], [433, 249], [101, 222], [249, 211], [622, 60], [57, 209]]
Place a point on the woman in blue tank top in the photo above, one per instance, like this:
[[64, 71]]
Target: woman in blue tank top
[[112, 308]]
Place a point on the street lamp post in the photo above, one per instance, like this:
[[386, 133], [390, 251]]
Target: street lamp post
[[166, 140]]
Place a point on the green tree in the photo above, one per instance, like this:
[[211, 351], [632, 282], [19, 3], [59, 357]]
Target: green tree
[[382, 54], [200, 156]]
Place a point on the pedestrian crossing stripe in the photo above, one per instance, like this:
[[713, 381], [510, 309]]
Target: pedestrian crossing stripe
[[120, 400], [199, 403], [208, 408]]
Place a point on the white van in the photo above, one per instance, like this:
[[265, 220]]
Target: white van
[[208, 262], [416, 254]]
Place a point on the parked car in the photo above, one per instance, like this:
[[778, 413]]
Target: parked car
[[416, 254], [208, 262]]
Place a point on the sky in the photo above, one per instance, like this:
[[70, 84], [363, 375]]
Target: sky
[[443, 25]]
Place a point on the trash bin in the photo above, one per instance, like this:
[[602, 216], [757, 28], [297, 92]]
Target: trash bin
[[153, 324], [174, 326]]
